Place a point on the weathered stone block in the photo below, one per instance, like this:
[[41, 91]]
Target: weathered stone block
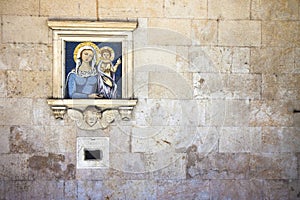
[[273, 166], [59, 139], [14, 167], [229, 86], [155, 58], [14, 189], [161, 58], [241, 60], [129, 189], [4, 139], [210, 59], [239, 33], [172, 166], [183, 189], [136, 8], [281, 86], [205, 138], [294, 189], [16, 111], [297, 60], [227, 113], [3, 84], [127, 162], [30, 7], [170, 85], [274, 9], [119, 139], [270, 113], [280, 33], [22, 139], [32, 189], [140, 33], [230, 9], [278, 140], [153, 139], [162, 31], [70, 190], [273, 60], [69, 8], [240, 139], [96, 174], [51, 167], [24, 29], [276, 189], [237, 189], [185, 9], [169, 113], [298, 158], [182, 59], [42, 115], [219, 59], [19, 84], [26, 57], [204, 32], [90, 190], [217, 165], [141, 84]]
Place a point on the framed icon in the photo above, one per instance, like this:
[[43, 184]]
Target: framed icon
[[92, 65]]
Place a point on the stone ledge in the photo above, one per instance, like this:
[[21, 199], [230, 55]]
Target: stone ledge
[[93, 25], [92, 114]]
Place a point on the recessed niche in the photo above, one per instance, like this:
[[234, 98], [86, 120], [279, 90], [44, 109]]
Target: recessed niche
[[92, 152]]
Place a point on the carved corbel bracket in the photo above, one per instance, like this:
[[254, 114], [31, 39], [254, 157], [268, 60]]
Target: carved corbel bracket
[[92, 114]]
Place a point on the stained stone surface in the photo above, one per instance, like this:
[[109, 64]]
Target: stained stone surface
[[169, 31], [231, 9], [234, 86], [183, 189], [273, 60], [275, 9], [239, 33], [204, 32], [193, 9], [29, 57], [281, 86], [218, 60], [122, 9], [217, 83], [280, 33], [285, 139], [30, 7], [68, 8], [273, 166], [3, 84], [33, 29], [237, 189], [19, 84]]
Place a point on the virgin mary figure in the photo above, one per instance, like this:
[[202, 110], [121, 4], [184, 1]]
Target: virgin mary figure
[[82, 80]]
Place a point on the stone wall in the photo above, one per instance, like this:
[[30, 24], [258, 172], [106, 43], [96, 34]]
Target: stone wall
[[217, 83]]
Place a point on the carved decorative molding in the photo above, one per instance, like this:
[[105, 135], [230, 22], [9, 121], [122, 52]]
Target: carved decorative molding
[[95, 110], [93, 114]]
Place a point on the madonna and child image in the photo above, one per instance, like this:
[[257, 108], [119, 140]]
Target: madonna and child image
[[94, 74]]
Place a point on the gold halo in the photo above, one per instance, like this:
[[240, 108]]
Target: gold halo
[[86, 44], [112, 52]]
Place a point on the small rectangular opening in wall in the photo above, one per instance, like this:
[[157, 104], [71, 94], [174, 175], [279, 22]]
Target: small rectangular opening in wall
[[92, 154]]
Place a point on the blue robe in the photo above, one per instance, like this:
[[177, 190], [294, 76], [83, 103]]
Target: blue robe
[[81, 87]]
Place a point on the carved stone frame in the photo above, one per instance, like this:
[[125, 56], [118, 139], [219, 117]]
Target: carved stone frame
[[95, 31]]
